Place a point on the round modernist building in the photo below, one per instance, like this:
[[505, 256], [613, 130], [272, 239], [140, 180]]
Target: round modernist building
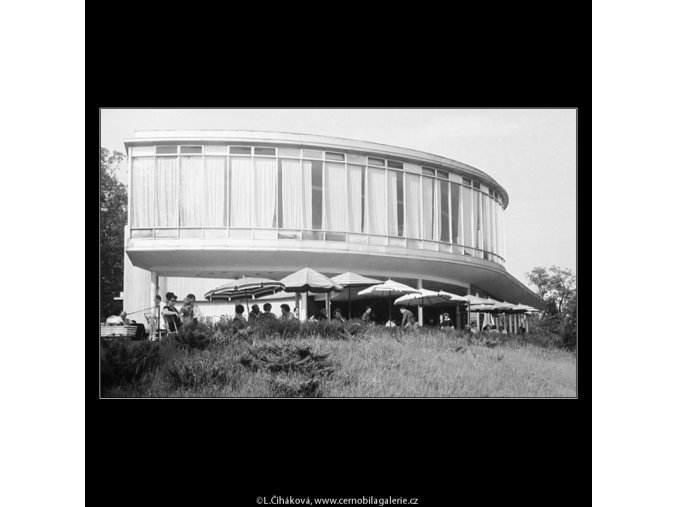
[[205, 206]]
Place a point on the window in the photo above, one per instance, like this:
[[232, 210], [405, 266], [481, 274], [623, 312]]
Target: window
[[265, 192], [467, 181], [317, 194], [443, 174], [455, 213], [476, 184], [312, 154], [215, 197], [376, 161], [191, 150], [240, 150], [375, 203], [162, 150], [429, 222], [166, 192], [444, 211], [289, 152], [191, 191], [296, 188], [395, 203], [412, 190], [336, 197], [264, 151], [241, 187], [395, 164], [141, 197], [357, 159], [355, 198], [216, 149], [428, 171], [334, 156], [468, 231]]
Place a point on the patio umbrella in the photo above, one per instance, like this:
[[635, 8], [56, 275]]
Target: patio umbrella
[[390, 287], [244, 288], [425, 297], [308, 280], [349, 279]]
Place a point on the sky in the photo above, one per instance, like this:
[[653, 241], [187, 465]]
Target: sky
[[530, 152]]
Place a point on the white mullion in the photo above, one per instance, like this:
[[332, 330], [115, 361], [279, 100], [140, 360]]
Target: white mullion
[[461, 217], [204, 190], [405, 231], [420, 207], [129, 189], [348, 197], [177, 181], [387, 174], [252, 205], [228, 191]]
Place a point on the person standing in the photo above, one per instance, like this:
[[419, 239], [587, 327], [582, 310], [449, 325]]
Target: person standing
[[197, 314], [405, 316]]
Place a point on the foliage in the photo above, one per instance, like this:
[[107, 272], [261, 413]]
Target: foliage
[[557, 287], [126, 361], [194, 371], [112, 220], [195, 336]]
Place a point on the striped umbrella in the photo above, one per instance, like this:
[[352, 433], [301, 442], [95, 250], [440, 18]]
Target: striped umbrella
[[349, 279], [245, 288], [309, 280], [390, 287]]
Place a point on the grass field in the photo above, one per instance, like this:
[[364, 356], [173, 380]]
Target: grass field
[[372, 363]]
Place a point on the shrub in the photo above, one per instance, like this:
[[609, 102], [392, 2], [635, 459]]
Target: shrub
[[125, 362], [194, 336], [206, 370]]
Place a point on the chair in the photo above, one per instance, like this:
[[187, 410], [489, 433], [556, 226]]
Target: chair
[[171, 325], [154, 331]]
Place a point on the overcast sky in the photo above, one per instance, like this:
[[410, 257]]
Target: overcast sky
[[531, 153]]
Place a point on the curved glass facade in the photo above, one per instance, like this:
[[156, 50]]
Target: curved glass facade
[[287, 192]]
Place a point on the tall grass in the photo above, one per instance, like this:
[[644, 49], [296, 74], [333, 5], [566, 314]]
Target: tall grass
[[324, 359]]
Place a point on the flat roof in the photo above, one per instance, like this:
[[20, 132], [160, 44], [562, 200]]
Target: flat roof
[[142, 137]]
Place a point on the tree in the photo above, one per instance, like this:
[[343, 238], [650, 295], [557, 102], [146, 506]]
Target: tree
[[556, 286], [112, 220]]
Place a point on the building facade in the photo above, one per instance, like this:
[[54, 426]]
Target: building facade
[[205, 206]]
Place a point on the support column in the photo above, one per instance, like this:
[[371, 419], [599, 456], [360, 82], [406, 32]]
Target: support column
[[419, 285], [303, 311], [327, 304], [297, 299], [526, 322], [458, 316], [154, 290]]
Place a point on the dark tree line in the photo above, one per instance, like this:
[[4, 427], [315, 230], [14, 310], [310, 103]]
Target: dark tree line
[[557, 287], [112, 220]]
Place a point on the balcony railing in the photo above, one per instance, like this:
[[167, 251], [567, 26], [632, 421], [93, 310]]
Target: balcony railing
[[354, 238]]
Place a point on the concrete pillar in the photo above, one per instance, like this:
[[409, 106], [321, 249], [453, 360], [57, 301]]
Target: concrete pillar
[[297, 304], [419, 285], [303, 311], [327, 304], [526, 322], [154, 288]]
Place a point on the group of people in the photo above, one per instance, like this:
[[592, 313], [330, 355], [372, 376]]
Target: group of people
[[190, 312]]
